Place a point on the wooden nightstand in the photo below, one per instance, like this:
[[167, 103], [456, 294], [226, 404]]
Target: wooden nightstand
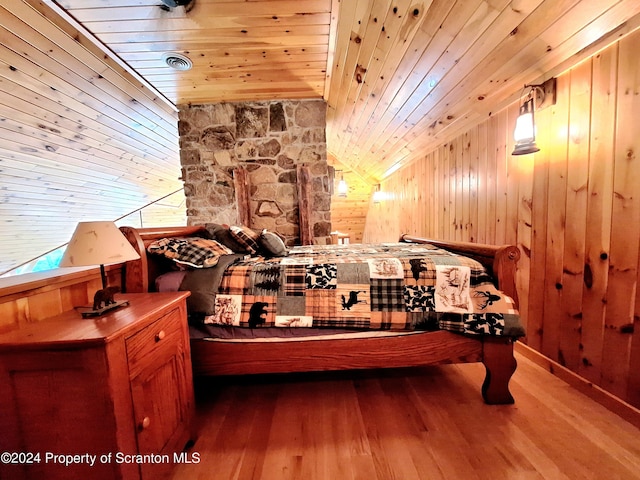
[[115, 387]]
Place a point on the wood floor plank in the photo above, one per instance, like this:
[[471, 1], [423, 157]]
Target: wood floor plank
[[406, 424]]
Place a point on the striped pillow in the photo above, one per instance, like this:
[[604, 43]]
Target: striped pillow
[[246, 237]]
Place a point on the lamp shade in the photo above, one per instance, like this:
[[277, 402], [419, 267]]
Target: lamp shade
[[97, 243]]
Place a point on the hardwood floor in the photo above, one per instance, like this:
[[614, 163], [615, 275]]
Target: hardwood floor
[[421, 423]]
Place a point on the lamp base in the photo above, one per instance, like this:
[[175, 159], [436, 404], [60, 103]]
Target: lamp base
[[88, 312]]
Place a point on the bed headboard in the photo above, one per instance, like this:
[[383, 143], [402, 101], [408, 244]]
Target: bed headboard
[[140, 275]]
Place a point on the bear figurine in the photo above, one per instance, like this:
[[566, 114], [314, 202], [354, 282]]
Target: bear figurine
[[104, 296]]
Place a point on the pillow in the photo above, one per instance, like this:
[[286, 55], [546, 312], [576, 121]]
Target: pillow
[[195, 252], [203, 296], [222, 234], [272, 245], [203, 284], [170, 281], [246, 237]]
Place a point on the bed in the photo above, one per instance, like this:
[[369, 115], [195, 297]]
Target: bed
[[341, 343]]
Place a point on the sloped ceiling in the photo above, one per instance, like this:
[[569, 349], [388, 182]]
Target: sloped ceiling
[[81, 138], [89, 131], [399, 76]]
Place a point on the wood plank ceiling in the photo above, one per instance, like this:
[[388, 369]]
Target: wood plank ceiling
[[90, 131], [240, 50], [403, 75], [81, 138]]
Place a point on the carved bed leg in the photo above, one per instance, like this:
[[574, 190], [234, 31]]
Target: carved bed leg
[[500, 364]]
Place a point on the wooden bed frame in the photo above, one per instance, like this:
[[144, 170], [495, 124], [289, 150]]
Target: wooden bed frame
[[425, 348]]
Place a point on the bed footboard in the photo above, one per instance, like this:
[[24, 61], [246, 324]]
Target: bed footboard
[[499, 260]]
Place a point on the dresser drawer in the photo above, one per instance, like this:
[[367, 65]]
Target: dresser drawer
[[151, 345]]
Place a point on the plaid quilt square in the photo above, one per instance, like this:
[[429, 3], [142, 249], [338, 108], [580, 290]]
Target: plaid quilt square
[[294, 281], [389, 321], [321, 304], [237, 280], [387, 295]]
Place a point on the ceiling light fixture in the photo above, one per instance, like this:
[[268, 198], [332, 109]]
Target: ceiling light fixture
[[177, 61], [176, 3]]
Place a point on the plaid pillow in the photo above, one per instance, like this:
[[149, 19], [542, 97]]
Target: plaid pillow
[[246, 237], [195, 252], [222, 234]]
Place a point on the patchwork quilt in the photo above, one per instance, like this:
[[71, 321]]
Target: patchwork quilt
[[389, 286]]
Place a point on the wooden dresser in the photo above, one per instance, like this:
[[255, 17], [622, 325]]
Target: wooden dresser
[[118, 387]]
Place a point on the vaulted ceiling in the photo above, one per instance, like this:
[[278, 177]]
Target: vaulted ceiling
[[399, 76], [88, 129]]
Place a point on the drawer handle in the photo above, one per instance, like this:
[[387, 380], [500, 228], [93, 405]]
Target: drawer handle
[[146, 421], [160, 335]]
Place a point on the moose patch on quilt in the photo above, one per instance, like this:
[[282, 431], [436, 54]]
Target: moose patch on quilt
[[391, 286]]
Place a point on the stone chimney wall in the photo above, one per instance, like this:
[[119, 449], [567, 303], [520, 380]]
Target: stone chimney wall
[[270, 139]]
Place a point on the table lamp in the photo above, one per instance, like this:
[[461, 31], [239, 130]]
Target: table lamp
[[98, 243]]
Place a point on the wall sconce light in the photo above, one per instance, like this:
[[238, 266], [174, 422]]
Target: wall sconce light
[[378, 195], [342, 186], [525, 131]]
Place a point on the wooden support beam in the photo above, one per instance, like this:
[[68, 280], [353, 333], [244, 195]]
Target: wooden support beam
[[241, 184], [304, 204]]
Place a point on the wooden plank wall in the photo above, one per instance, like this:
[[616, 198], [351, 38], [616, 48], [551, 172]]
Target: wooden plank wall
[[348, 214], [38, 296], [572, 208]]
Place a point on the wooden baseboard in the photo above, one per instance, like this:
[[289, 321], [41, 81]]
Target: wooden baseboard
[[604, 398]]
